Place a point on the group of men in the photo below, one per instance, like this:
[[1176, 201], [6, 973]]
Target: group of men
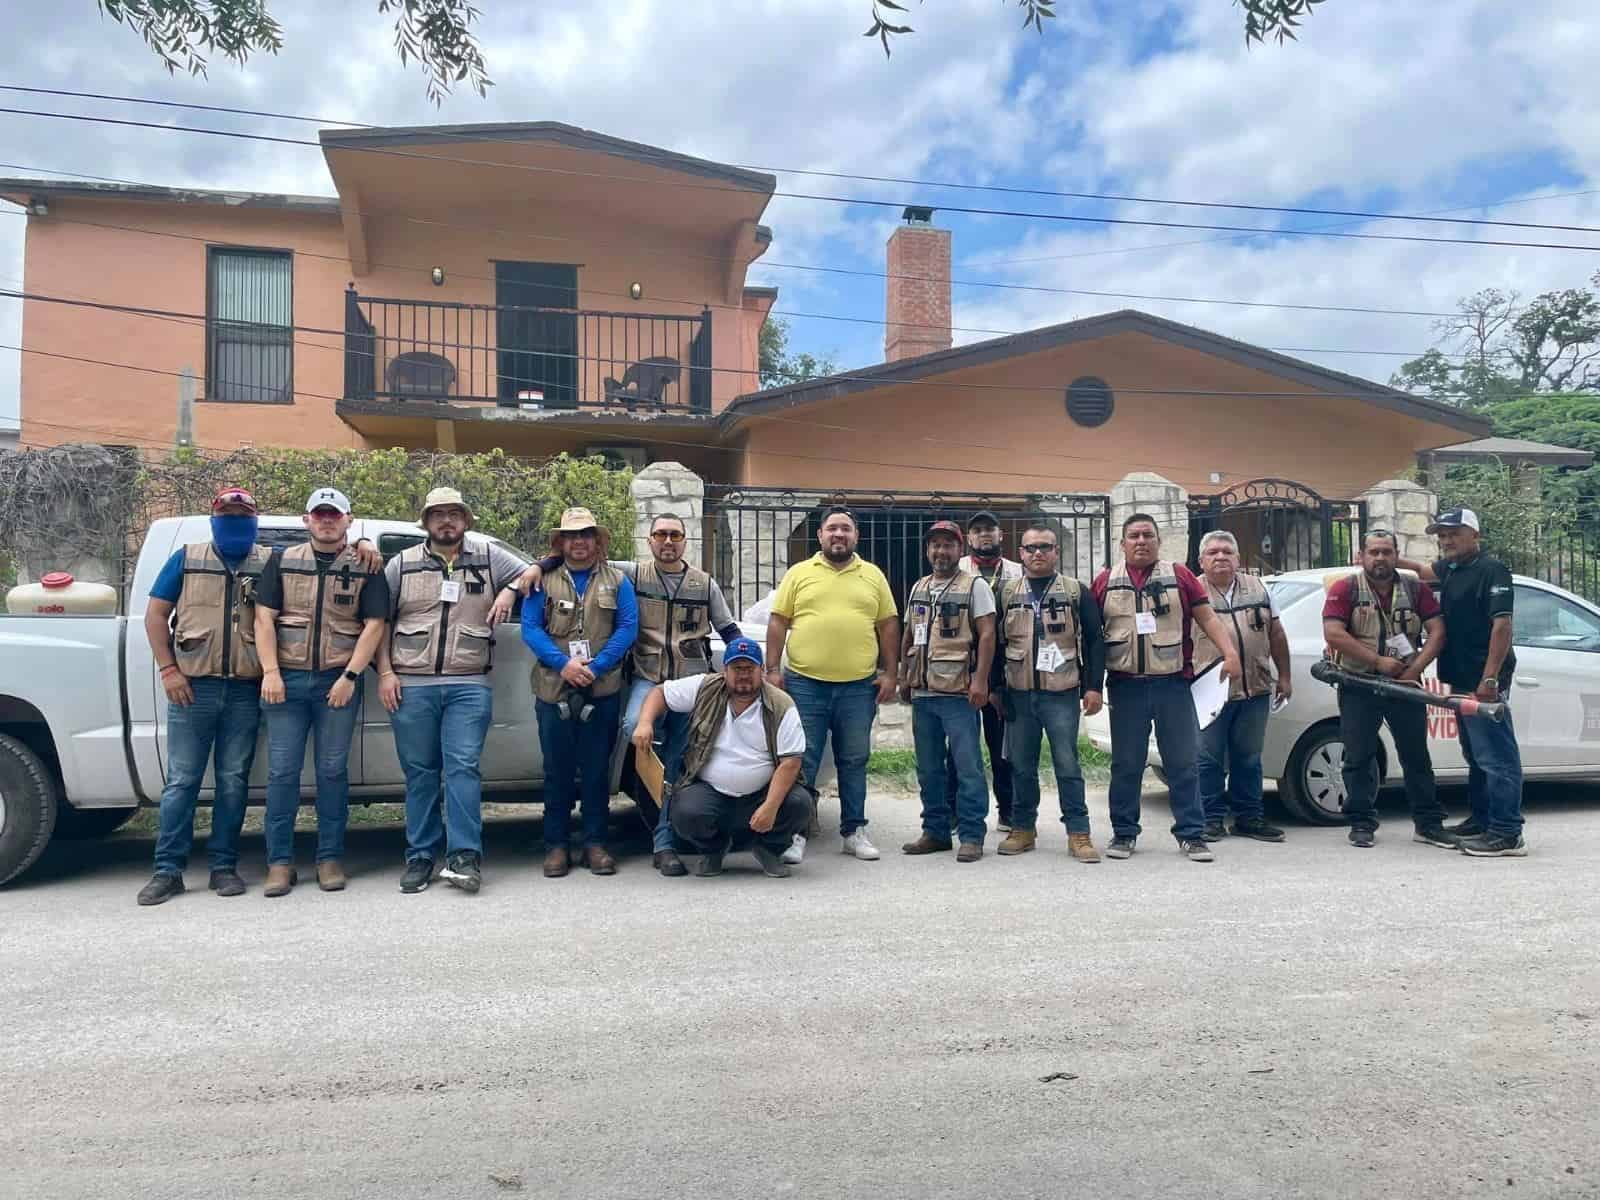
[[991, 651]]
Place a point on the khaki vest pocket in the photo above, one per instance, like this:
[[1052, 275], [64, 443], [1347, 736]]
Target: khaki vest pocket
[[192, 651], [470, 655], [294, 642], [409, 650]]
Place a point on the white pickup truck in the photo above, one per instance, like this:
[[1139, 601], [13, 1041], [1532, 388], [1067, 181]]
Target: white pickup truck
[[83, 716]]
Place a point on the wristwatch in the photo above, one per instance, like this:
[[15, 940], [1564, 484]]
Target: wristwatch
[[352, 677], [1491, 681]]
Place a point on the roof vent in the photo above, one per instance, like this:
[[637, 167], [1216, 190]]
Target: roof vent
[[1090, 402], [915, 215]]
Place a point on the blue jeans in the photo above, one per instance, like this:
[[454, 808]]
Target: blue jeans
[[672, 739], [1035, 714], [1230, 759], [1494, 773], [846, 711], [438, 735], [577, 764], [222, 723], [304, 712], [1139, 702], [936, 721]]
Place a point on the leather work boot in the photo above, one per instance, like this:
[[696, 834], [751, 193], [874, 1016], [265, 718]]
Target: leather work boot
[[280, 880], [1081, 847], [331, 876], [225, 881], [600, 861], [969, 852], [926, 843], [1019, 841], [668, 863], [557, 862]]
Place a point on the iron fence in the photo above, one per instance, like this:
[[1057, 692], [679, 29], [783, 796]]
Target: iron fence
[[1567, 556], [1280, 525]]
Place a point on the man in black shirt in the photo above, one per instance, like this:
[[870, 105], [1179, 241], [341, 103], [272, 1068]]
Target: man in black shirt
[[1476, 595]]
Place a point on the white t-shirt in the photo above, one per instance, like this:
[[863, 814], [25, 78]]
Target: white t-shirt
[[980, 604], [739, 761]]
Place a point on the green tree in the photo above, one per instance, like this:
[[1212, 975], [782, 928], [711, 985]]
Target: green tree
[[778, 367]]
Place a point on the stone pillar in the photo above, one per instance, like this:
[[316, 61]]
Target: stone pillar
[[1404, 507], [669, 487], [759, 537], [1147, 492]]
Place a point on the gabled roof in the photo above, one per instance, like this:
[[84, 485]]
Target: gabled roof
[[1015, 345], [552, 132], [20, 189]]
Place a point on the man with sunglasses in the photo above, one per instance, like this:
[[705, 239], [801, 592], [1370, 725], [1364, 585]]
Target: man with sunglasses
[[1054, 662]]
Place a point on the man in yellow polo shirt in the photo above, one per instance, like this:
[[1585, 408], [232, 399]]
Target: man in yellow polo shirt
[[839, 620]]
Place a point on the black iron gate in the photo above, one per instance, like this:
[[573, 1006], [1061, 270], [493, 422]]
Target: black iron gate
[[753, 535], [1280, 525]]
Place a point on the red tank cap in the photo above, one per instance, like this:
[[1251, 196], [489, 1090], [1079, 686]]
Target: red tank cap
[[57, 579]]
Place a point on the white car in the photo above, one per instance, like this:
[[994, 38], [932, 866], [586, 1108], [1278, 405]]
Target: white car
[[1555, 701]]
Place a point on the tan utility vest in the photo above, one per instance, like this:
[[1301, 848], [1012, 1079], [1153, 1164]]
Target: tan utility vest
[[1250, 616], [674, 629], [567, 618], [433, 636], [214, 624], [711, 710], [319, 623], [943, 659], [1127, 650], [1058, 615], [1372, 629]]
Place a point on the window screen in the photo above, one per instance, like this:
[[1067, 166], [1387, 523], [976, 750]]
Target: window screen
[[249, 323]]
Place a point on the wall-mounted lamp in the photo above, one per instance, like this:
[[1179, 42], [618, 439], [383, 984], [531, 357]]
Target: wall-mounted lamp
[[38, 207], [438, 276], [636, 290]]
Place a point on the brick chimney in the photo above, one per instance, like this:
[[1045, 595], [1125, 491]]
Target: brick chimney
[[917, 309]]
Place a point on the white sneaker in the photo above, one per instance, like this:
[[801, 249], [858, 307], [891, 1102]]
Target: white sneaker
[[796, 850], [861, 846]]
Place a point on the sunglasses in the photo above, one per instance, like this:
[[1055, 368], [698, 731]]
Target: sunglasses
[[581, 533], [1039, 548], [666, 535]]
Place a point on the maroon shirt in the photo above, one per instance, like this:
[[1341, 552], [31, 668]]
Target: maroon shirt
[[1341, 601], [1191, 594]]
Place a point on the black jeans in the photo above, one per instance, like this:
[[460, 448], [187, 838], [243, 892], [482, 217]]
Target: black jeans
[[1360, 715], [704, 820], [994, 736]]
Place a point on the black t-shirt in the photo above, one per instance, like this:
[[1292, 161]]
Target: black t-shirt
[[374, 597], [1472, 594]]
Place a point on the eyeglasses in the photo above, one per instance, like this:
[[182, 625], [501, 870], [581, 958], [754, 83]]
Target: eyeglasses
[[666, 535], [1038, 547], [581, 533]]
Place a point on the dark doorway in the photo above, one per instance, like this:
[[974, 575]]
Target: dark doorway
[[1280, 525], [536, 333]]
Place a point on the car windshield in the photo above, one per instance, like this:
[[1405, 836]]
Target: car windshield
[[1287, 592]]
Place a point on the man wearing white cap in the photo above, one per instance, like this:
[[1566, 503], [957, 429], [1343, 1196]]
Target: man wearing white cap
[[320, 614], [446, 595]]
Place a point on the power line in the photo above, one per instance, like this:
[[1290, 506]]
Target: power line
[[820, 197], [1106, 197]]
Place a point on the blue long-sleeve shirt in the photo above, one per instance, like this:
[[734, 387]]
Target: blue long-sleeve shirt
[[610, 655]]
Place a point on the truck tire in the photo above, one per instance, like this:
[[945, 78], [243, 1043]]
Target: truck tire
[[1312, 788], [86, 824], [28, 798]]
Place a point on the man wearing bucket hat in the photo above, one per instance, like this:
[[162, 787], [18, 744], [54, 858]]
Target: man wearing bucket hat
[[1475, 596], [946, 653], [580, 624], [741, 767], [446, 595]]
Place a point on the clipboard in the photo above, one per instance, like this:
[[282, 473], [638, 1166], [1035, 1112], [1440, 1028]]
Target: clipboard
[[1209, 692], [651, 773]]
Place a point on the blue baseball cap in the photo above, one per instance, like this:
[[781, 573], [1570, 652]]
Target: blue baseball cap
[[742, 647]]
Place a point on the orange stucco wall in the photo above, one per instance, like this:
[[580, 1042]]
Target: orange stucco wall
[[1003, 428]]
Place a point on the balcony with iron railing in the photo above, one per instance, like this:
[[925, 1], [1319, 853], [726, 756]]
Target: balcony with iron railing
[[528, 358]]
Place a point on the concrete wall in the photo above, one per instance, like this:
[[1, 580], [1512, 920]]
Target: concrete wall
[[1404, 508]]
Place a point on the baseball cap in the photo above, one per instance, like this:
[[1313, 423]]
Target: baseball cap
[[949, 527], [234, 495], [576, 520], [742, 648], [328, 498], [1455, 518], [982, 518]]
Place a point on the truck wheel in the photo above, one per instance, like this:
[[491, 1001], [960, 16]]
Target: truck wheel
[[1312, 787], [28, 798], [85, 824]]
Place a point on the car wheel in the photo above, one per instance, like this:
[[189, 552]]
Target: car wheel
[[1313, 784], [86, 824], [28, 798]]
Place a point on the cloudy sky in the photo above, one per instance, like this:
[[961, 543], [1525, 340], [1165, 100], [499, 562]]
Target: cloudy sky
[[1470, 108]]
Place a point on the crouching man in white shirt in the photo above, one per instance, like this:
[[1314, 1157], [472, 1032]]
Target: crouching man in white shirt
[[741, 767]]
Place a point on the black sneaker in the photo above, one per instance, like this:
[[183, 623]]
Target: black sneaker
[[1465, 829], [710, 865], [1363, 838], [1494, 845], [462, 870], [226, 882], [771, 863], [1434, 835], [419, 874], [1215, 831], [163, 886], [1196, 850], [1255, 827], [1120, 847]]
